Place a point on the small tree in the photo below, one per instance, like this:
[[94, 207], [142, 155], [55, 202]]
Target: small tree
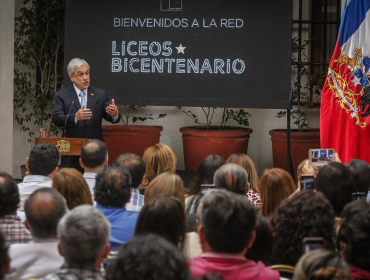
[[38, 54]]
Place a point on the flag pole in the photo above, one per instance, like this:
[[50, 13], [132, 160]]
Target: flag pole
[[289, 154]]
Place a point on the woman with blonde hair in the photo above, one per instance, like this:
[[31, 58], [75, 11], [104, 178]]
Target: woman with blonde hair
[[276, 185], [321, 264], [158, 159], [253, 193], [166, 183], [73, 187]]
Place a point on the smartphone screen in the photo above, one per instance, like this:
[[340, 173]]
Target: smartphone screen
[[321, 157], [312, 243], [359, 196], [306, 182]]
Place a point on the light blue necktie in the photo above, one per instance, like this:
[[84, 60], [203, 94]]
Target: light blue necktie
[[83, 101]]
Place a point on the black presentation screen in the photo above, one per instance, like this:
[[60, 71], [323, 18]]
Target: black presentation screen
[[221, 53]]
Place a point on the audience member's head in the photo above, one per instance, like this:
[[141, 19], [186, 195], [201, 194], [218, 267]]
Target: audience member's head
[[226, 222], [164, 216], [72, 185], [300, 170], [165, 183], [44, 208], [149, 257], [9, 195], [203, 175], [4, 260], [245, 161], [83, 235], [321, 264], [305, 214], [43, 160], [232, 177], [263, 244], [354, 235], [360, 171], [136, 167], [94, 155], [158, 159], [336, 182], [276, 185], [113, 186]]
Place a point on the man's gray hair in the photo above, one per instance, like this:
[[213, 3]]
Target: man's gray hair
[[232, 177], [76, 62], [83, 235]]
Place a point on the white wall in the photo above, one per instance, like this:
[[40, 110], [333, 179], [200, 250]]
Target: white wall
[[7, 9]]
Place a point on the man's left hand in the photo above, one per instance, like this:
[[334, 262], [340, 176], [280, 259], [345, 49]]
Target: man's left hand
[[112, 109]]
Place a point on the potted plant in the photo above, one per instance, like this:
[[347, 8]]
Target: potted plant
[[214, 137], [132, 138], [304, 96], [38, 55]]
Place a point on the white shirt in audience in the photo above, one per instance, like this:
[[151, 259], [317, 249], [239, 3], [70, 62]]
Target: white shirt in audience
[[36, 259], [30, 184], [90, 178]]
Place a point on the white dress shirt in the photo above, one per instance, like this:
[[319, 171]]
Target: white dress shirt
[[30, 184], [36, 259]]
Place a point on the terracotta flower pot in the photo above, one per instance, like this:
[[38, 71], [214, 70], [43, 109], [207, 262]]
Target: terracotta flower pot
[[135, 139], [301, 142], [199, 143]]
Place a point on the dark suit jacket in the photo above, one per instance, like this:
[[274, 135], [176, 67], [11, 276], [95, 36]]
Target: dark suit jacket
[[97, 101]]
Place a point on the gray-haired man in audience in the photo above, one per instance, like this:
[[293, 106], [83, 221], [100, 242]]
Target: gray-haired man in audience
[[232, 177], [44, 208], [83, 235]]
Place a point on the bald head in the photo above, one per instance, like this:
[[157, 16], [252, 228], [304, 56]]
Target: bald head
[[232, 177], [94, 154], [44, 208]]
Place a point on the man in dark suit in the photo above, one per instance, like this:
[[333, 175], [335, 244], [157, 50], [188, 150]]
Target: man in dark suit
[[84, 106]]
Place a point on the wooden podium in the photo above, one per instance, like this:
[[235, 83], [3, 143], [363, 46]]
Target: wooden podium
[[66, 146]]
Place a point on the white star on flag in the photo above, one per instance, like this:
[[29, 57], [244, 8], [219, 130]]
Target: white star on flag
[[180, 49], [356, 80]]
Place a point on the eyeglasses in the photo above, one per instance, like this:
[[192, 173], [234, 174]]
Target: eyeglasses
[[80, 74]]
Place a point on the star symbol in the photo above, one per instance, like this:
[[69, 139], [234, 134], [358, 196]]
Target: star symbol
[[356, 80], [180, 49]]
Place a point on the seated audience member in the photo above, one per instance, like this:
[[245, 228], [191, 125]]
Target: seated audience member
[[166, 183], [4, 259], [148, 257], [226, 230], [112, 191], [300, 171], [94, 156], [232, 177], [44, 208], [164, 216], [253, 193], [336, 183], [360, 171], [262, 246], [276, 185], [353, 241], [158, 159], [203, 175], [305, 214], [10, 224], [42, 164], [136, 167], [70, 183], [83, 235], [321, 264]]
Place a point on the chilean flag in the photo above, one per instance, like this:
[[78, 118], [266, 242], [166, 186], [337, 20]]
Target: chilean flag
[[345, 99]]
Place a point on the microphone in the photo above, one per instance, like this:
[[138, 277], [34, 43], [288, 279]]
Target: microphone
[[65, 123]]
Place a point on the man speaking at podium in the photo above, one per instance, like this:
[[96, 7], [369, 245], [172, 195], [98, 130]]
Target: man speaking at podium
[[81, 108]]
